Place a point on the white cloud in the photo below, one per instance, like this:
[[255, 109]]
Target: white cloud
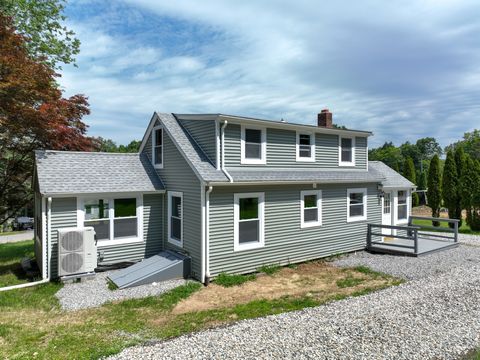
[[402, 70]]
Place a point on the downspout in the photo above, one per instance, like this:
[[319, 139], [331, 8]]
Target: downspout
[[207, 235], [225, 123], [202, 247], [48, 255]]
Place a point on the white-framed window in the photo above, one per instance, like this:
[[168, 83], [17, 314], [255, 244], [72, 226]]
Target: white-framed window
[[311, 208], [387, 203], [305, 146], [157, 147], [116, 219], [356, 204], [248, 221], [175, 218], [346, 151], [253, 145], [402, 206]]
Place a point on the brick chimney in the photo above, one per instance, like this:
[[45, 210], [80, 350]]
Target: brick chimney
[[325, 119]]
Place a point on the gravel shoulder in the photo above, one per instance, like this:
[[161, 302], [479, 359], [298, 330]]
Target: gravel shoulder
[[435, 315], [95, 292]]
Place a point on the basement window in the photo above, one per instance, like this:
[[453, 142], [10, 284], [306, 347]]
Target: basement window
[[248, 221], [311, 208]]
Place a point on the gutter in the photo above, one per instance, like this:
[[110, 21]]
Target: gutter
[[223, 152], [46, 253]]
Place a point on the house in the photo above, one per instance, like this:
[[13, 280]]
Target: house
[[234, 193]]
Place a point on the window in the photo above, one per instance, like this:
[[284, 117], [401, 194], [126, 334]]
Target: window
[[248, 221], [175, 218], [253, 146], [115, 220], [346, 151], [305, 147], [356, 205], [386, 203], [402, 205], [157, 147], [311, 208]]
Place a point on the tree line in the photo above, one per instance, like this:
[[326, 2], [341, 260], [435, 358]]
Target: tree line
[[453, 182]]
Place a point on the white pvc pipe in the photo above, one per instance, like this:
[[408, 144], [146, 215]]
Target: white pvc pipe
[[43, 281], [223, 151]]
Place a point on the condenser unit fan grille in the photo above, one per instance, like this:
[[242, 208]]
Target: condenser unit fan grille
[[72, 263], [72, 241]]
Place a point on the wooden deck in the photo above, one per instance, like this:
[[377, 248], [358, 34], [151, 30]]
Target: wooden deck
[[411, 240]]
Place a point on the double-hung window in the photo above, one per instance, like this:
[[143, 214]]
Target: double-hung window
[[311, 208], [402, 205], [115, 220], [157, 147], [253, 145], [346, 151], [356, 204], [248, 221], [305, 146], [175, 218]]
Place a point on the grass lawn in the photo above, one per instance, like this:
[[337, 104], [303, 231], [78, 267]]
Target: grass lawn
[[464, 229], [32, 325]]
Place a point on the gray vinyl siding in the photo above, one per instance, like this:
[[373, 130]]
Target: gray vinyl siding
[[203, 132], [361, 152], [177, 175], [285, 241], [64, 214], [281, 149]]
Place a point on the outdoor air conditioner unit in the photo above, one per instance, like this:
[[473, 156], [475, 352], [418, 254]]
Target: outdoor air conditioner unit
[[77, 251]]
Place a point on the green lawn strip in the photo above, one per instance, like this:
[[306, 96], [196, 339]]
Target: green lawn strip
[[11, 254], [229, 280], [464, 229], [269, 269]]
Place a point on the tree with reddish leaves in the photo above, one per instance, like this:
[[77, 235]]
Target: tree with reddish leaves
[[33, 115]]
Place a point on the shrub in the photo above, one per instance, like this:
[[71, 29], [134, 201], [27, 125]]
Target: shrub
[[434, 192]]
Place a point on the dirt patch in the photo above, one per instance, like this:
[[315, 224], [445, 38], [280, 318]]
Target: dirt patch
[[317, 279]]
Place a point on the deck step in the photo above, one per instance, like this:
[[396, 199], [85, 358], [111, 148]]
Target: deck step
[[167, 265]]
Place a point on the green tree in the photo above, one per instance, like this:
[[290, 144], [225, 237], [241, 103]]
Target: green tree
[[434, 193], [409, 173], [388, 153], [428, 147], [460, 165], [41, 22], [470, 191], [132, 147], [108, 145], [450, 185]]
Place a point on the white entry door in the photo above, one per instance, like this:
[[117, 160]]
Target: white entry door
[[387, 207]]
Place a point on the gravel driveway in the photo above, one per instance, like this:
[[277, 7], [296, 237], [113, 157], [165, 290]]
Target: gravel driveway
[[436, 315], [20, 236]]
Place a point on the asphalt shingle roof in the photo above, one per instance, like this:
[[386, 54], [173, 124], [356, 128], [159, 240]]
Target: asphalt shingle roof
[[301, 175], [192, 152], [66, 172], [392, 178]]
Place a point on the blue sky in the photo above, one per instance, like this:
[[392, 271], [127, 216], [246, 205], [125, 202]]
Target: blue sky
[[404, 69]]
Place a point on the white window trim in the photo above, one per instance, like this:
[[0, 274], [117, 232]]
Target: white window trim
[[318, 193], [111, 217], [408, 202], [154, 134], [170, 239], [263, 150], [312, 147], [346, 163], [365, 198], [261, 217]]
